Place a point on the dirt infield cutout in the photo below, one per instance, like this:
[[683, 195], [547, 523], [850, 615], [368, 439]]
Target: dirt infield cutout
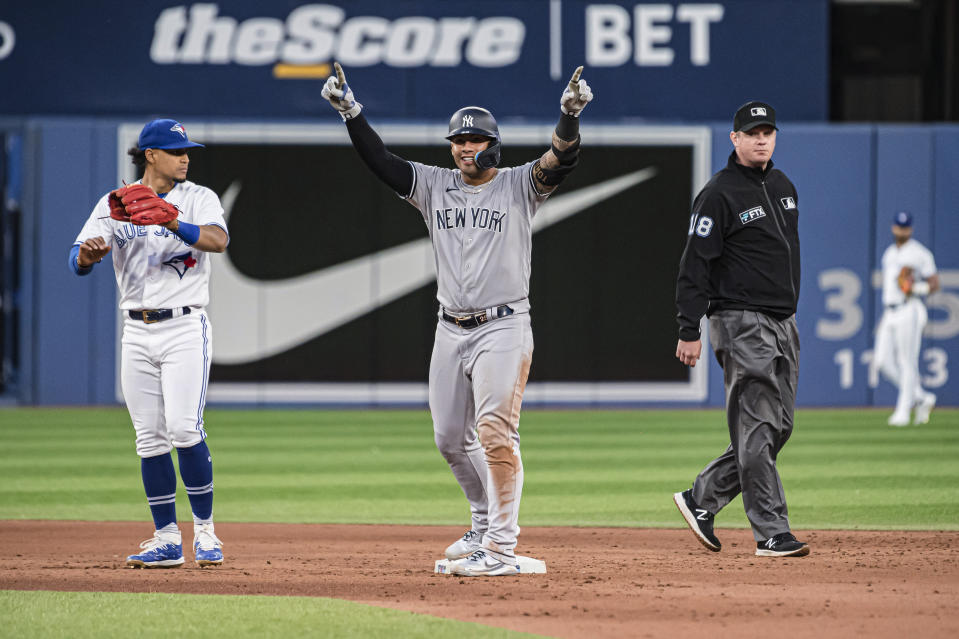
[[601, 582]]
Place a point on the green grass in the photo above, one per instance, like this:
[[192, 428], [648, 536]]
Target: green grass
[[842, 468], [59, 614]]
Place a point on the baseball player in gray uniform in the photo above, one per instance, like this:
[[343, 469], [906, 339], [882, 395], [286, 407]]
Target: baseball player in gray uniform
[[479, 218]]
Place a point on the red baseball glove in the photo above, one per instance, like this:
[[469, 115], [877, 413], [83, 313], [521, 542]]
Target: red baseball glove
[[140, 205], [906, 280]]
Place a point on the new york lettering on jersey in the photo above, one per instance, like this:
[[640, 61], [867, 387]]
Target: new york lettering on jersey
[[480, 217]]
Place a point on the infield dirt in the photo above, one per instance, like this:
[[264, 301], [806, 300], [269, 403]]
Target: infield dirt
[[602, 582]]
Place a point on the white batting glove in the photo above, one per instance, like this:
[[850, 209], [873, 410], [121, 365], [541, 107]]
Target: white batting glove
[[576, 96], [339, 94]]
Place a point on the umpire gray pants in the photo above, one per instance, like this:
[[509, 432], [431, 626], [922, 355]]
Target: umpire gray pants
[[760, 360]]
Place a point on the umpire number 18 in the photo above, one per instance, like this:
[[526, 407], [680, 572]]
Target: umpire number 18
[[700, 225]]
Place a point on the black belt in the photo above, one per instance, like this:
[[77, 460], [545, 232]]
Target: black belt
[[477, 319], [156, 315]]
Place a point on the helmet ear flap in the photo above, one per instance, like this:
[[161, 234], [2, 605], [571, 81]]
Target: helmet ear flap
[[488, 157]]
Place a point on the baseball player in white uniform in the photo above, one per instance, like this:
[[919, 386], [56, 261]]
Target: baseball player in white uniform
[[479, 218], [908, 273], [163, 275]]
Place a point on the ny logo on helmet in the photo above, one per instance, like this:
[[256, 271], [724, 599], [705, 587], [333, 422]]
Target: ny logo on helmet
[[468, 120]]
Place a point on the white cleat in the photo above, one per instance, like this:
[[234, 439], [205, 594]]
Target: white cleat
[[925, 408], [483, 564], [898, 420], [469, 543]]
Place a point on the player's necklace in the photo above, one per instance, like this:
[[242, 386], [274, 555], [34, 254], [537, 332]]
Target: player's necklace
[[472, 189]]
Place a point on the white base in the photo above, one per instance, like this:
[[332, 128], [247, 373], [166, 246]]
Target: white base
[[527, 566]]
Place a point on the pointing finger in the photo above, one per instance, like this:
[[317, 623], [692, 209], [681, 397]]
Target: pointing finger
[[340, 76], [575, 79]]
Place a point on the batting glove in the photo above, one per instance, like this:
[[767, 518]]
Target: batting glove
[[576, 96], [338, 93]]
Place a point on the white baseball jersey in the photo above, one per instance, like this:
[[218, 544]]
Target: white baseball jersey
[[154, 268], [911, 254], [482, 236]]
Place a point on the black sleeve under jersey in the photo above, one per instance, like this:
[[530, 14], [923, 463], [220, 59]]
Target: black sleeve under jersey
[[396, 172]]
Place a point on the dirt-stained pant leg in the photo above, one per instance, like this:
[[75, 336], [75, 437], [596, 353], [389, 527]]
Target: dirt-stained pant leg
[[760, 360], [500, 356], [454, 428]]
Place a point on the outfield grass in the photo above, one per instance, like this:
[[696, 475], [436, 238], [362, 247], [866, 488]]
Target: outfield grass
[[842, 469], [68, 615]]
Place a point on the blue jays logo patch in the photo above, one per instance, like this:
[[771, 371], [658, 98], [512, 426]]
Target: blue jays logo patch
[[179, 129], [180, 263], [788, 203], [752, 214]]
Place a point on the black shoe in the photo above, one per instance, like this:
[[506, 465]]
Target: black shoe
[[782, 545], [699, 519]]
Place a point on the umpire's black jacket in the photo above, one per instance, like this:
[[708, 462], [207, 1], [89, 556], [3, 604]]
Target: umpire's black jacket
[[743, 247]]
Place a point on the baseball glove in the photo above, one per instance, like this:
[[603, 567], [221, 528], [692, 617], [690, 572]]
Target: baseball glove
[[139, 204], [906, 280]]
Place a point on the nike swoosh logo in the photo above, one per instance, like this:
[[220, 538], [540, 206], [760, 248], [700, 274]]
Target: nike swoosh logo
[[300, 308], [452, 188]]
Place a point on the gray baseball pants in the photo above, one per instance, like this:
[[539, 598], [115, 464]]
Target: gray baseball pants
[[759, 356]]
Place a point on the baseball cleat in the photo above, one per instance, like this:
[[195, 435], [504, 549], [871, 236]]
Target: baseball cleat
[[782, 545], [898, 420], [700, 520], [482, 564], [163, 550], [207, 549], [466, 546], [924, 409]]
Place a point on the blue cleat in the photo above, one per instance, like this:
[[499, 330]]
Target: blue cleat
[[207, 549], [163, 550]]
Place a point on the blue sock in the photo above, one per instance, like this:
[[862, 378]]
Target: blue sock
[[196, 470], [159, 481]]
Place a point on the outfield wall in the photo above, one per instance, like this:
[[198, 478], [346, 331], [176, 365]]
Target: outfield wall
[[602, 277]]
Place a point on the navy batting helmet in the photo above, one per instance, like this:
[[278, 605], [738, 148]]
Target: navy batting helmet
[[474, 120]]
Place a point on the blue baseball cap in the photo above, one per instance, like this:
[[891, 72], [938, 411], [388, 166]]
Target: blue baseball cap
[[903, 218], [164, 134]]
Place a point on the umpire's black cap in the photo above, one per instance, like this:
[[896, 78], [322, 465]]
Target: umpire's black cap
[[753, 114]]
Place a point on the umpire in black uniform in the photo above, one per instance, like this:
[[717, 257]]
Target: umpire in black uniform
[[741, 269]]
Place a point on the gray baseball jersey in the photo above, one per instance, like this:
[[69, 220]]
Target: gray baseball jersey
[[482, 236]]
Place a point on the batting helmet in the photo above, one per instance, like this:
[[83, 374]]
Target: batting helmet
[[474, 120]]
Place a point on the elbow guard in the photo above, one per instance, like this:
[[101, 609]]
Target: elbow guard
[[570, 156], [568, 160], [552, 177]]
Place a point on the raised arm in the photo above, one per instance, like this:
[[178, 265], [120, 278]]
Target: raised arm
[[393, 170], [562, 157]]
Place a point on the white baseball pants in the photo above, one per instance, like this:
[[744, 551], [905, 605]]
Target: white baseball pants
[[898, 341], [163, 373]]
